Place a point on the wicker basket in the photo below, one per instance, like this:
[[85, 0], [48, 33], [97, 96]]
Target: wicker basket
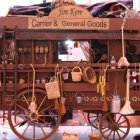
[[76, 74], [89, 75], [95, 137]]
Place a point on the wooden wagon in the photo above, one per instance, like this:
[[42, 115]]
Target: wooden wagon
[[33, 45]]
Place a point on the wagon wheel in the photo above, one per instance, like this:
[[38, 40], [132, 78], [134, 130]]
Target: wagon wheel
[[117, 126], [38, 125], [94, 118]]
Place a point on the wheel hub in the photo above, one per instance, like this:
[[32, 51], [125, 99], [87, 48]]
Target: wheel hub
[[114, 126], [34, 116]]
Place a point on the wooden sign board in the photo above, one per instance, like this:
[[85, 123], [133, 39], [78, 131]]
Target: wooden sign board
[[69, 18]]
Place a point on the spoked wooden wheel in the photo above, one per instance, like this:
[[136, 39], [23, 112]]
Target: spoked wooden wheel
[[94, 118], [117, 126], [37, 125]]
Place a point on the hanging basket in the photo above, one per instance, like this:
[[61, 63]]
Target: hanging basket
[[65, 73], [76, 74], [89, 75]]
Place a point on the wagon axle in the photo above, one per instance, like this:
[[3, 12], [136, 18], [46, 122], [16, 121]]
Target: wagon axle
[[34, 116]]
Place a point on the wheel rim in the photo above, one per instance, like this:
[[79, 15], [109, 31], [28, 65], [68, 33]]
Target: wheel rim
[[38, 125], [117, 126], [94, 118]]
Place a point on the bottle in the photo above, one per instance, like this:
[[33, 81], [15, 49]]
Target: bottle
[[112, 60]]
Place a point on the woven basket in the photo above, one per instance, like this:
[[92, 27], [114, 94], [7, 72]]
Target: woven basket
[[95, 137], [89, 75], [76, 74]]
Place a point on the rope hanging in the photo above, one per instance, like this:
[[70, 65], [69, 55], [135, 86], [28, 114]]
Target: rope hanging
[[123, 36], [123, 61], [33, 105], [33, 93]]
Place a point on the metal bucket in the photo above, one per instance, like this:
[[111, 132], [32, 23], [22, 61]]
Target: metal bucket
[[79, 99], [115, 104], [65, 73]]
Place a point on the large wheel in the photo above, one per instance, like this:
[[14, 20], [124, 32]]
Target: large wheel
[[33, 125], [117, 126], [94, 118]]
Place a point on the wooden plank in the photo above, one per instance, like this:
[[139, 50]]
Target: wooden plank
[[114, 23], [75, 35], [80, 87]]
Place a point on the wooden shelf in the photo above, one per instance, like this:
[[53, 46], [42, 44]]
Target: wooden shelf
[[135, 84], [81, 87]]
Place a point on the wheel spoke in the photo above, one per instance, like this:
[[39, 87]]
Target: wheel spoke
[[21, 107], [47, 115], [26, 100], [45, 109], [41, 103], [34, 131], [106, 130], [109, 134], [121, 130], [122, 122], [22, 115], [110, 118], [44, 121], [118, 134], [26, 128], [113, 135], [119, 119], [41, 128], [20, 123]]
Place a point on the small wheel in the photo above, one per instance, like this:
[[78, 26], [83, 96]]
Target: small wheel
[[33, 125], [94, 118], [117, 126]]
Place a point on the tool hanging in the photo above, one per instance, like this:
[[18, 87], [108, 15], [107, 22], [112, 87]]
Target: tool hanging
[[101, 86], [105, 108], [126, 110], [123, 60], [101, 83], [62, 105]]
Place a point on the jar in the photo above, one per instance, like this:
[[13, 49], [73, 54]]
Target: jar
[[37, 81], [43, 81], [112, 61]]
